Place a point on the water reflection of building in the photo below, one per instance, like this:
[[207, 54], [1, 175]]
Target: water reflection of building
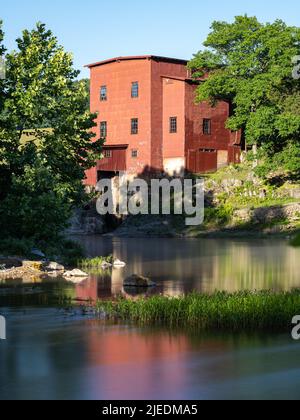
[[181, 266], [96, 287]]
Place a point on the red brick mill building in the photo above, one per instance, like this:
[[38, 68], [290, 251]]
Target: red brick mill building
[[147, 113]]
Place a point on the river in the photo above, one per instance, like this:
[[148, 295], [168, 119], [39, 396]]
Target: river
[[53, 353]]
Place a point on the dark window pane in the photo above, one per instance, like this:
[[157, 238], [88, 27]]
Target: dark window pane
[[103, 130], [134, 126], [135, 90], [103, 93], [173, 125], [134, 153], [207, 126]]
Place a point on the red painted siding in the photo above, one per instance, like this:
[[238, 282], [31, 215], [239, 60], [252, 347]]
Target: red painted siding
[[164, 91], [120, 108], [115, 163], [202, 161]]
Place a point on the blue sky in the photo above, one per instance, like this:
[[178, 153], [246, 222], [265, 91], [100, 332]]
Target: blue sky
[[96, 29]]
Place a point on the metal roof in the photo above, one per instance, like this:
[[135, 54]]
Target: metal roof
[[139, 57]]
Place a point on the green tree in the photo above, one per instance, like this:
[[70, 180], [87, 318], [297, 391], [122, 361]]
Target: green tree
[[41, 179], [249, 64], [86, 84], [2, 51]]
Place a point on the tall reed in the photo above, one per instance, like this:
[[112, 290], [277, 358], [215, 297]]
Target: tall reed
[[239, 311]]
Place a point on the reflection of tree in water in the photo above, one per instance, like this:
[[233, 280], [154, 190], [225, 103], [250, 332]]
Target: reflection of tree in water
[[206, 265], [273, 266]]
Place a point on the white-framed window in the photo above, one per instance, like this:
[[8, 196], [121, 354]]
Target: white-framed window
[[135, 89], [103, 93]]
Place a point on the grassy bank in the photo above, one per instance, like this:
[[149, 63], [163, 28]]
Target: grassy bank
[[244, 311]]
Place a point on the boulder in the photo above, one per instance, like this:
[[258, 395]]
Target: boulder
[[118, 263], [295, 193], [75, 273], [86, 222], [33, 265], [54, 266], [138, 281]]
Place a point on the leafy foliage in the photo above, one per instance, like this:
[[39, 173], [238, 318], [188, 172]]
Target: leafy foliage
[[249, 64], [41, 179]]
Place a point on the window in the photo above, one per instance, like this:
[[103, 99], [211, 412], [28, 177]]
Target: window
[[107, 154], [103, 129], [134, 154], [135, 90], [207, 127], [173, 125], [134, 126], [103, 93]]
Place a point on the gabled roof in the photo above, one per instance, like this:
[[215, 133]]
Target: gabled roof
[[139, 57]]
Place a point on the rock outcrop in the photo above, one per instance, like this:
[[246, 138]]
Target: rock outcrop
[[54, 266], [265, 215], [86, 222]]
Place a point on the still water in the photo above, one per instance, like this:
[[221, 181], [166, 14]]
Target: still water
[[51, 355], [177, 266], [206, 265], [57, 354]]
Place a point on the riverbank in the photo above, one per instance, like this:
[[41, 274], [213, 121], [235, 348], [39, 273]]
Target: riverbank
[[238, 203], [174, 227], [242, 311]]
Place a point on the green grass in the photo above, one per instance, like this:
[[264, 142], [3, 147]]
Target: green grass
[[95, 262], [243, 311]]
